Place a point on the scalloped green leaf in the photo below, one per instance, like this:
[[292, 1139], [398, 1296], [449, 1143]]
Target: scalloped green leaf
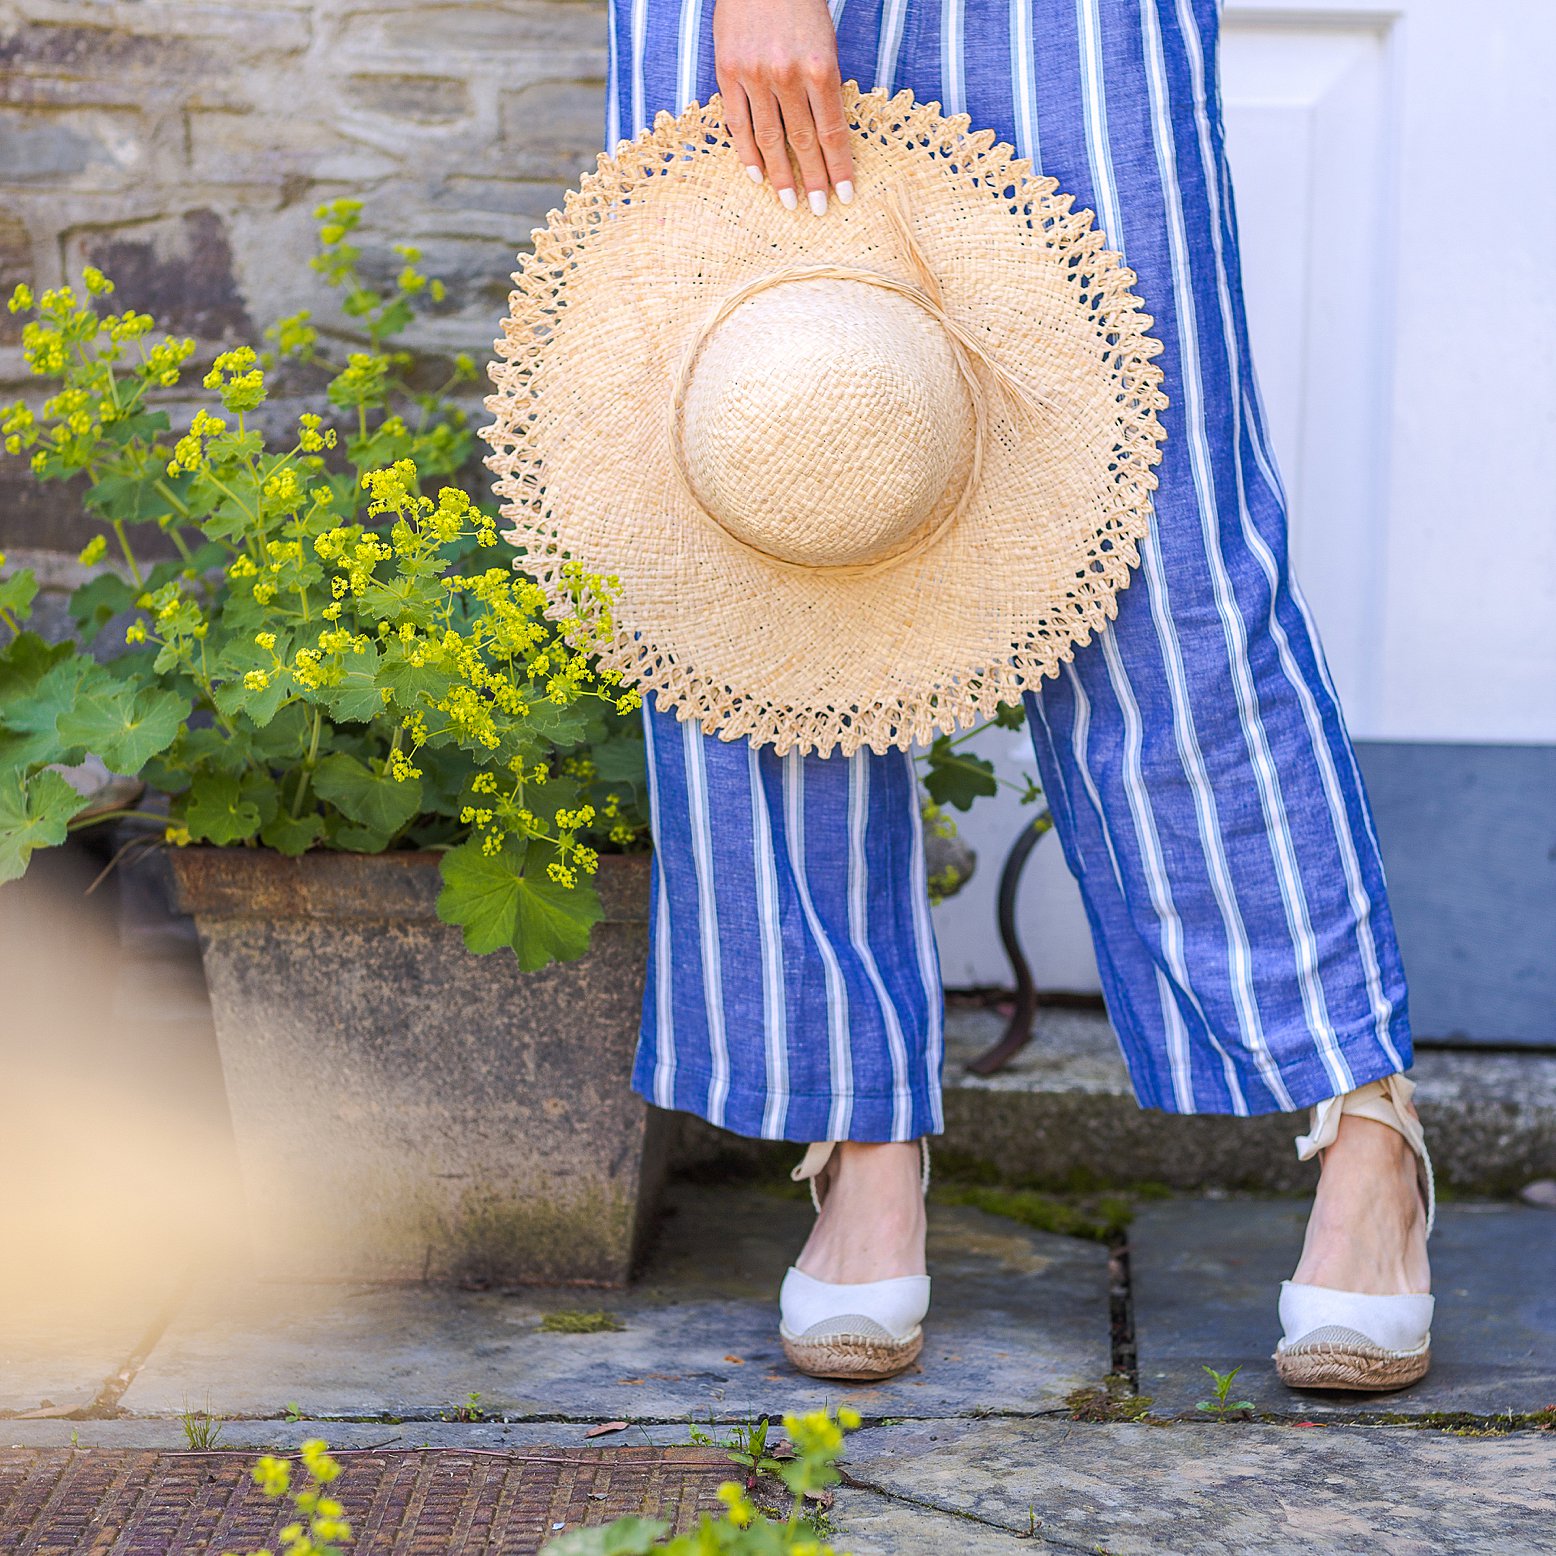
[[506, 899], [217, 811], [373, 800], [34, 813], [957, 777], [99, 600], [292, 835], [17, 592], [126, 728]]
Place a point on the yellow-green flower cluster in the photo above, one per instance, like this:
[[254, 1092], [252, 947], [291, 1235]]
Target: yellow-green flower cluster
[[312, 435], [237, 378], [192, 452], [363, 381], [322, 1527]]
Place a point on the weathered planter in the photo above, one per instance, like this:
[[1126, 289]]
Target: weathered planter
[[405, 1110]]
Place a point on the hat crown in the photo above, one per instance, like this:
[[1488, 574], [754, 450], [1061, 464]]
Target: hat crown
[[826, 422]]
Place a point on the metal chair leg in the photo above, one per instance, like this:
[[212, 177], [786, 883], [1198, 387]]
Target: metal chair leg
[[1018, 1031]]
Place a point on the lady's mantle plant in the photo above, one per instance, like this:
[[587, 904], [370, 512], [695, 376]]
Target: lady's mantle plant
[[341, 655]]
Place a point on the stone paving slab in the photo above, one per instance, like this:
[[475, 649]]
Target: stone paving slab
[[1196, 1488], [1020, 1318], [57, 1352], [62, 1502], [1206, 1276]]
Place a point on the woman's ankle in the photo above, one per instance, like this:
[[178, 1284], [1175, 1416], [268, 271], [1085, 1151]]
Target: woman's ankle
[[1367, 1229], [872, 1224]]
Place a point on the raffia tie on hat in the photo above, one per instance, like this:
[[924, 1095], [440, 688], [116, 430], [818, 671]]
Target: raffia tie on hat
[[861, 479], [759, 508]]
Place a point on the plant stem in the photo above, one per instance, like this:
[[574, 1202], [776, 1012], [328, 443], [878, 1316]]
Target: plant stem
[[114, 815], [129, 556], [309, 762], [166, 491]]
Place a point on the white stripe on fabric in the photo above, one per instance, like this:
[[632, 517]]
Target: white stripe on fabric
[[1356, 892], [1064, 787], [842, 1070], [928, 960], [888, 42], [859, 935], [687, 46], [1170, 926], [639, 41], [701, 829], [1264, 458], [1271, 802], [775, 1019], [1099, 149], [953, 64], [1023, 84], [612, 80], [1080, 733], [1153, 863], [664, 1018]]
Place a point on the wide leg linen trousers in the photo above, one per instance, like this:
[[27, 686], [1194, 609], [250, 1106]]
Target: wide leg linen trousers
[[1202, 782]]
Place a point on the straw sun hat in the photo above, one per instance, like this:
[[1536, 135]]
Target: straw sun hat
[[861, 477]]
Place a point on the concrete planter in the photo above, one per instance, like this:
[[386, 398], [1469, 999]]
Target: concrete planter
[[405, 1110]]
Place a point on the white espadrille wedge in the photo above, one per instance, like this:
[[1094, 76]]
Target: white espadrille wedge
[[1351, 1339], [853, 1329]]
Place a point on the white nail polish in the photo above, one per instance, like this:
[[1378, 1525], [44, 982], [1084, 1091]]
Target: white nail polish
[[755, 172], [789, 198], [845, 192], [818, 202]]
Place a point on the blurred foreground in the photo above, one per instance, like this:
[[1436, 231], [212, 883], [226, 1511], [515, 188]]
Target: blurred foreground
[[115, 1151]]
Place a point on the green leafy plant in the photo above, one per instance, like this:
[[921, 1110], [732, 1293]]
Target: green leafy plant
[[338, 657], [747, 1445], [202, 1430], [952, 776], [1220, 1407], [742, 1529], [320, 1528]]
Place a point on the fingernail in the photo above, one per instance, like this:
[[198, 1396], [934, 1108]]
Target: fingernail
[[789, 198], [818, 201], [755, 172], [845, 192]]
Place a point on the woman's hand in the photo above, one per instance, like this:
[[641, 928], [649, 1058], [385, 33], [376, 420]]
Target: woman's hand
[[776, 64]]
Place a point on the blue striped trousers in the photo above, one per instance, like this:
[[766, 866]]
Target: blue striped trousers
[[1200, 775]]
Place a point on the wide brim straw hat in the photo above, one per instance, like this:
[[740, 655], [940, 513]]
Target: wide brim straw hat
[[861, 478]]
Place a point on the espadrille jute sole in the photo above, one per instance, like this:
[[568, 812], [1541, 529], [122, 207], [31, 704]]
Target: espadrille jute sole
[[852, 1356], [1359, 1367]]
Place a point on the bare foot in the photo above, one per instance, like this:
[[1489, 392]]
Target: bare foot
[[871, 1225], [1367, 1230]]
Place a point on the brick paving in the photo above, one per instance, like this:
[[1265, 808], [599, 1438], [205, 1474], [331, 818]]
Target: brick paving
[[122, 1502]]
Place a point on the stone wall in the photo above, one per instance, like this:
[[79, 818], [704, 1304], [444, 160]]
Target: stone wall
[[182, 145]]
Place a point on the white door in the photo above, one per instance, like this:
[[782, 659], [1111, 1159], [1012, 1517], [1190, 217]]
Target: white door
[[1397, 204]]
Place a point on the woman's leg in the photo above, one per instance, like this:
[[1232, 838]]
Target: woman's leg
[[1202, 780], [794, 990]]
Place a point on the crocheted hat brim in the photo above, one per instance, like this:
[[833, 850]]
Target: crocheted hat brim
[[623, 275]]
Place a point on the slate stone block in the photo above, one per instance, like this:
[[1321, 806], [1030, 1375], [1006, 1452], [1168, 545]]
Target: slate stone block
[[1192, 1490], [1019, 1318], [1206, 1277]]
